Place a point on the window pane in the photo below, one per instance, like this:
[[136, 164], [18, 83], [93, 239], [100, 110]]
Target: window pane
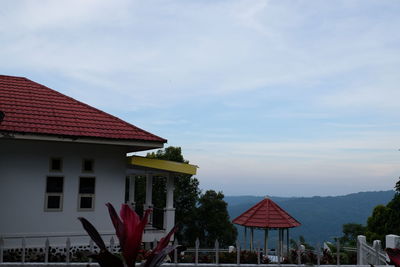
[[86, 203], [53, 202], [86, 185], [55, 164], [87, 165], [54, 185]]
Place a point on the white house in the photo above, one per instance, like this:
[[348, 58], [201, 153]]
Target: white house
[[61, 159]]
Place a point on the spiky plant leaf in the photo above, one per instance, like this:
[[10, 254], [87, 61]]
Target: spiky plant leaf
[[93, 233]]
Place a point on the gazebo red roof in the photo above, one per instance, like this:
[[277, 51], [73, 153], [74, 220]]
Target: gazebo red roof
[[32, 108], [266, 214]]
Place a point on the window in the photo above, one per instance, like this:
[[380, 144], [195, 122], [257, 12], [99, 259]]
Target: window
[[87, 165], [86, 193], [54, 193], [55, 164]]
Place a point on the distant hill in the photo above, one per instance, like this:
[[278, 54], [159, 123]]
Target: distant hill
[[321, 217]]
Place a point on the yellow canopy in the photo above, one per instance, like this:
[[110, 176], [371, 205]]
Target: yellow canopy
[[165, 165]]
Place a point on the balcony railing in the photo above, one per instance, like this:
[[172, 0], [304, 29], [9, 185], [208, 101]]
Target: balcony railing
[[156, 219]]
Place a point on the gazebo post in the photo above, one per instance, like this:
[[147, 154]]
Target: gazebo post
[[278, 246], [245, 238], [266, 242], [287, 242], [282, 241], [251, 238]]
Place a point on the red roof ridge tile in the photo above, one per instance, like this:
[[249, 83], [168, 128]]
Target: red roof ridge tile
[[12, 76]]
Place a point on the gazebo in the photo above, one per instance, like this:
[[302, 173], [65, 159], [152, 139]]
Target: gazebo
[[266, 215]]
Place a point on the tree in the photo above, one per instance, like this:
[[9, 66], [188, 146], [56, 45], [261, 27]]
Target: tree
[[397, 186], [377, 223], [186, 197], [350, 233], [385, 219], [393, 223], [170, 153], [213, 220]]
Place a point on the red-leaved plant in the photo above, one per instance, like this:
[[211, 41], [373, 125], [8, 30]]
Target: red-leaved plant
[[129, 229], [394, 256]]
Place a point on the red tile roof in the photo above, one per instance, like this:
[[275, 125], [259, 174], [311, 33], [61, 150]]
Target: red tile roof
[[266, 214], [32, 108]]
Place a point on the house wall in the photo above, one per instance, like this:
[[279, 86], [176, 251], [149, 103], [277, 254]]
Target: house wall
[[24, 166]]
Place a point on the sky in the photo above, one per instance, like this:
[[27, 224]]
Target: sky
[[267, 97]]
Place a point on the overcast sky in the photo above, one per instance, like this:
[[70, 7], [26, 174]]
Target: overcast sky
[[283, 98]]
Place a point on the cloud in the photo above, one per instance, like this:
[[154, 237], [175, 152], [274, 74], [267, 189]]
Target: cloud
[[310, 87], [193, 49], [47, 15], [379, 93], [365, 161]]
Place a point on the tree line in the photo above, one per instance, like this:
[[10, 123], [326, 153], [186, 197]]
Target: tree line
[[384, 220]]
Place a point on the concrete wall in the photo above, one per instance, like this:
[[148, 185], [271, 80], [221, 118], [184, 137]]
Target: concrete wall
[[24, 166]]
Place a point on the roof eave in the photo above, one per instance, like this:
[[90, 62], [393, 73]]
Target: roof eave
[[132, 145], [161, 165]]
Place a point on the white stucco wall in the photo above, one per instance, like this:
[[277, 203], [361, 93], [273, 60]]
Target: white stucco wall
[[24, 166]]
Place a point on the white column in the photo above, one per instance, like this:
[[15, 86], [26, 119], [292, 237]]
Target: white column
[[149, 191], [377, 246], [170, 191], [149, 195], [392, 241], [361, 255], [169, 211], [131, 200]]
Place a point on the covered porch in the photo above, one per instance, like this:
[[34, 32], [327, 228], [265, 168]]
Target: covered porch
[[162, 220]]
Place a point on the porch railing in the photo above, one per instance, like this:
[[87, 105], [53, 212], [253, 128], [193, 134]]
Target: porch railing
[[156, 217]]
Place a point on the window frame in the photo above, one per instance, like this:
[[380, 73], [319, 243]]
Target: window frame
[[50, 194], [83, 165], [51, 164], [81, 195]]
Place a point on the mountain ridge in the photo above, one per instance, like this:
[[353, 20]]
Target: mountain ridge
[[322, 217]]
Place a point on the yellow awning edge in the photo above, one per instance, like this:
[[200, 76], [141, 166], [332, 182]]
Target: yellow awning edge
[[165, 165]]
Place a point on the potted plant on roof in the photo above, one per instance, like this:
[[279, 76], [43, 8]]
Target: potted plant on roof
[[129, 229]]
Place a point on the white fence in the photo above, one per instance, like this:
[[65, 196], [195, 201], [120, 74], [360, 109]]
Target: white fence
[[43, 248], [367, 254], [66, 252]]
